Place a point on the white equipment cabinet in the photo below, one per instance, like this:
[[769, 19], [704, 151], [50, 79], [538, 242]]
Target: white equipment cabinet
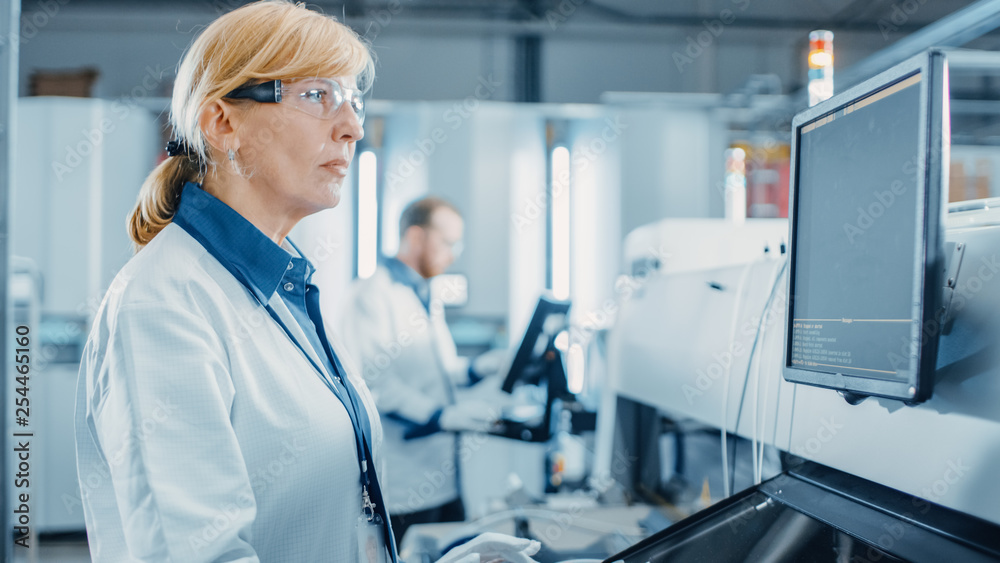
[[79, 165]]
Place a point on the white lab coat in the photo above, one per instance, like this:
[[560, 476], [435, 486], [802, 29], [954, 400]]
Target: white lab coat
[[410, 364], [202, 431]]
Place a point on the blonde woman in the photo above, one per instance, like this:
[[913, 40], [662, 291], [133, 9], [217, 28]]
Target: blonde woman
[[214, 420]]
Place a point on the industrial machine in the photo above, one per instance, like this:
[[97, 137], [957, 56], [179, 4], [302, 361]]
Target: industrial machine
[[863, 352]]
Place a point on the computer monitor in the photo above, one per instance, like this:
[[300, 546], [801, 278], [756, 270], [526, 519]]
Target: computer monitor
[[538, 361], [868, 186], [530, 364]]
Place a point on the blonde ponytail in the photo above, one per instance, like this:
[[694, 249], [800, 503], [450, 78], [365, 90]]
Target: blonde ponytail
[[158, 198]]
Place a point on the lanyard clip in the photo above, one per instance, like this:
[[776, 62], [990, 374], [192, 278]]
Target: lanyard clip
[[367, 506]]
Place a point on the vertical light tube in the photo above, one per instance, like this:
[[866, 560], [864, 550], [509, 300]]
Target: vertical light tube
[[736, 186], [575, 369], [367, 215], [560, 222]]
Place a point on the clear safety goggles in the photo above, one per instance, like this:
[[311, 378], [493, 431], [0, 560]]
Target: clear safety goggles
[[455, 246], [319, 97]]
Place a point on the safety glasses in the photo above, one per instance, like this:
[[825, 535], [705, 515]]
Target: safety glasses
[[319, 97], [456, 246]]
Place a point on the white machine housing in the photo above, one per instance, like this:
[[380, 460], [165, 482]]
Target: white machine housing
[[691, 327]]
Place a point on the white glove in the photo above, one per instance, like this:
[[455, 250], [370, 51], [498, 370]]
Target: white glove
[[470, 416], [492, 546], [489, 363]]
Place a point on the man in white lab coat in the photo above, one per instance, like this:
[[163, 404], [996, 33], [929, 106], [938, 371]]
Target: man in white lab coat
[[410, 363]]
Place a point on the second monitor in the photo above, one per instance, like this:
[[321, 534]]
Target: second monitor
[[539, 363]]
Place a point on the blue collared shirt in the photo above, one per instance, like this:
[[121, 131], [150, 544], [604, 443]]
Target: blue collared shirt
[[401, 273], [265, 266]]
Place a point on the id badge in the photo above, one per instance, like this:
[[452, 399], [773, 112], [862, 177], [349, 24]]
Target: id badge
[[371, 540]]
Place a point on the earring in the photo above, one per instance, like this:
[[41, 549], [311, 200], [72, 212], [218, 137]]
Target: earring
[[232, 155]]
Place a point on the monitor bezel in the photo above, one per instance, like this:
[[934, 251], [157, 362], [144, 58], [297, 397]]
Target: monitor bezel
[[933, 146]]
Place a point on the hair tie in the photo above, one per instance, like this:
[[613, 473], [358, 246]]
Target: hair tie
[[178, 148]]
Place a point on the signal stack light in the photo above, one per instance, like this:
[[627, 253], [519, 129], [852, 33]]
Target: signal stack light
[[820, 66]]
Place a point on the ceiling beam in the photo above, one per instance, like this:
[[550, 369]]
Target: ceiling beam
[[954, 30]]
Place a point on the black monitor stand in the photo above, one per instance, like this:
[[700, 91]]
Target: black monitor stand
[[548, 368]]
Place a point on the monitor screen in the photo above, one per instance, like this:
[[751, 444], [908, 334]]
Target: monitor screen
[[866, 191], [527, 367]]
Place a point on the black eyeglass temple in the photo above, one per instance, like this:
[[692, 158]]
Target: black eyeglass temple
[[265, 92]]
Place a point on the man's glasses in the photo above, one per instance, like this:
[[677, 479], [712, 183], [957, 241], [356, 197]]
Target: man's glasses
[[319, 97], [455, 246]]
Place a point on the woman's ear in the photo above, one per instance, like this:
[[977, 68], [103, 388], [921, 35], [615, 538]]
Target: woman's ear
[[219, 122]]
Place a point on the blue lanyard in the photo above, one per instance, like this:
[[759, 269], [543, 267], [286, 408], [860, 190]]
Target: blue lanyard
[[344, 392], [373, 501]]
